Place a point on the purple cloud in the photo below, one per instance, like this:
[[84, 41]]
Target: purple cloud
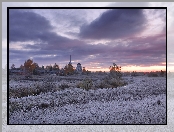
[[49, 47], [114, 24]]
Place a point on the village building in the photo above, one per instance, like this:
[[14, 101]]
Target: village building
[[79, 68]]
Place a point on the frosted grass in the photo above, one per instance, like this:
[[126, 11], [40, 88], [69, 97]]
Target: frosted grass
[[142, 101]]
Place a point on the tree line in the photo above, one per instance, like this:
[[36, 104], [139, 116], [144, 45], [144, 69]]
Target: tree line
[[31, 67]]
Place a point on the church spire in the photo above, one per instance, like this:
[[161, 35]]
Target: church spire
[[70, 60]]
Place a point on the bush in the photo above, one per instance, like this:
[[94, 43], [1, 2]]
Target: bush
[[63, 86], [134, 74], [14, 106], [153, 75], [115, 71], [102, 84], [28, 76], [36, 90], [115, 77], [85, 84], [114, 82], [43, 105]]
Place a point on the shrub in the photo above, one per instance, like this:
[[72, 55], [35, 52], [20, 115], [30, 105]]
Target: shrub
[[114, 78], [152, 75], [28, 76], [115, 71], [14, 106], [115, 82], [63, 86], [85, 84], [43, 105], [37, 89], [162, 73], [134, 74], [102, 84]]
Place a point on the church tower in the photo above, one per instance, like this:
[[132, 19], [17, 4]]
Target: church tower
[[70, 60]]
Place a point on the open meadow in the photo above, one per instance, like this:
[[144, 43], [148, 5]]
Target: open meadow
[[87, 99]]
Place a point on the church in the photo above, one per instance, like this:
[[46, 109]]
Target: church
[[78, 68]]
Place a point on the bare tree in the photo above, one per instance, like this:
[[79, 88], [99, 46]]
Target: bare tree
[[13, 66], [115, 70]]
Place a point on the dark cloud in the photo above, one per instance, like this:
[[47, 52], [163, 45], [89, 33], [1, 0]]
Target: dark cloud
[[26, 26], [29, 26], [116, 23]]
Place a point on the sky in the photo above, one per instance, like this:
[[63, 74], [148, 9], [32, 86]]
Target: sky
[[134, 39]]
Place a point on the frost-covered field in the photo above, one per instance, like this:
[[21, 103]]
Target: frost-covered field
[[141, 101]]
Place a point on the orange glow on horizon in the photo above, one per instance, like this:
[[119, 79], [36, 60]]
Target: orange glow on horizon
[[133, 68]]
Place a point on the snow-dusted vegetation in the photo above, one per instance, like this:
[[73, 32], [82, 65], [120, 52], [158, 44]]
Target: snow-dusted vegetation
[[92, 100]]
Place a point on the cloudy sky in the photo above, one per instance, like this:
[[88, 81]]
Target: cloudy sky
[[132, 38]]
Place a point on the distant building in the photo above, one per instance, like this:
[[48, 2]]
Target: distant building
[[79, 68]]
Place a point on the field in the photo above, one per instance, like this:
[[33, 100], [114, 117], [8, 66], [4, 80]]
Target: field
[[87, 99]]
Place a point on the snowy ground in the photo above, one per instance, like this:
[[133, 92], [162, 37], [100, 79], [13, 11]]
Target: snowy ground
[[142, 101]]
